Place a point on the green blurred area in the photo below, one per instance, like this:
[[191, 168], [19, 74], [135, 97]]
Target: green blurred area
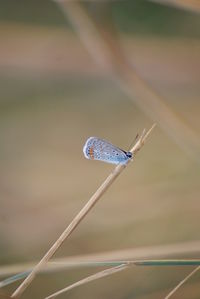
[[138, 16], [53, 97]]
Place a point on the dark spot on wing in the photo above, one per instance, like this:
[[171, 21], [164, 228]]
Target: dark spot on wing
[[129, 154]]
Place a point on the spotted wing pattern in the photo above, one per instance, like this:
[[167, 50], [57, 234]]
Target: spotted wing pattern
[[100, 149]]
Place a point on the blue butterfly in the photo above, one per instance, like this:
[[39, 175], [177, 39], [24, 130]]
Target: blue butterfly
[[102, 150]]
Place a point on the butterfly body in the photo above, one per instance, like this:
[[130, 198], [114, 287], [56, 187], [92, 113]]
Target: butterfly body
[[102, 150]]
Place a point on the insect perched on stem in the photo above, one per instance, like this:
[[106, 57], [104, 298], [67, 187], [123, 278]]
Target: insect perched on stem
[[102, 150]]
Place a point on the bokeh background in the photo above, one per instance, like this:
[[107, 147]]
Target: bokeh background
[[53, 96]]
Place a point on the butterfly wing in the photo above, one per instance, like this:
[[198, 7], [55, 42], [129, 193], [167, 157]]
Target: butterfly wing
[[102, 150]]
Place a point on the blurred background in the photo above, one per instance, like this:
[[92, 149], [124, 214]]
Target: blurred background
[[69, 71]]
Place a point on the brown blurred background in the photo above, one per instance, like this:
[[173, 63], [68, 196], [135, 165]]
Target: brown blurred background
[[52, 97]]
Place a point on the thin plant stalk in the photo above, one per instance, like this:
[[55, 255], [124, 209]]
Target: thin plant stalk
[[13, 278], [182, 282], [81, 215], [57, 266], [124, 266], [93, 277], [136, 253]]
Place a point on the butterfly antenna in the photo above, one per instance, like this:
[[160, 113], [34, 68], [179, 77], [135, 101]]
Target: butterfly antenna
[[134, 140]]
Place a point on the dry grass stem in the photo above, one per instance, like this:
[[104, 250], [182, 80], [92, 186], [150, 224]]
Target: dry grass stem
[[80, 216], [134, 253], [146, 252], [102, 45], [182, 282], [126, 264], [57, 266], [96, 276]]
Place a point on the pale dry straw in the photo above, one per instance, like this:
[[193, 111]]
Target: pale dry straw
[[105, 256], [126, 264], [59, 265], [93, 277], [81, 215], [182, 282]]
